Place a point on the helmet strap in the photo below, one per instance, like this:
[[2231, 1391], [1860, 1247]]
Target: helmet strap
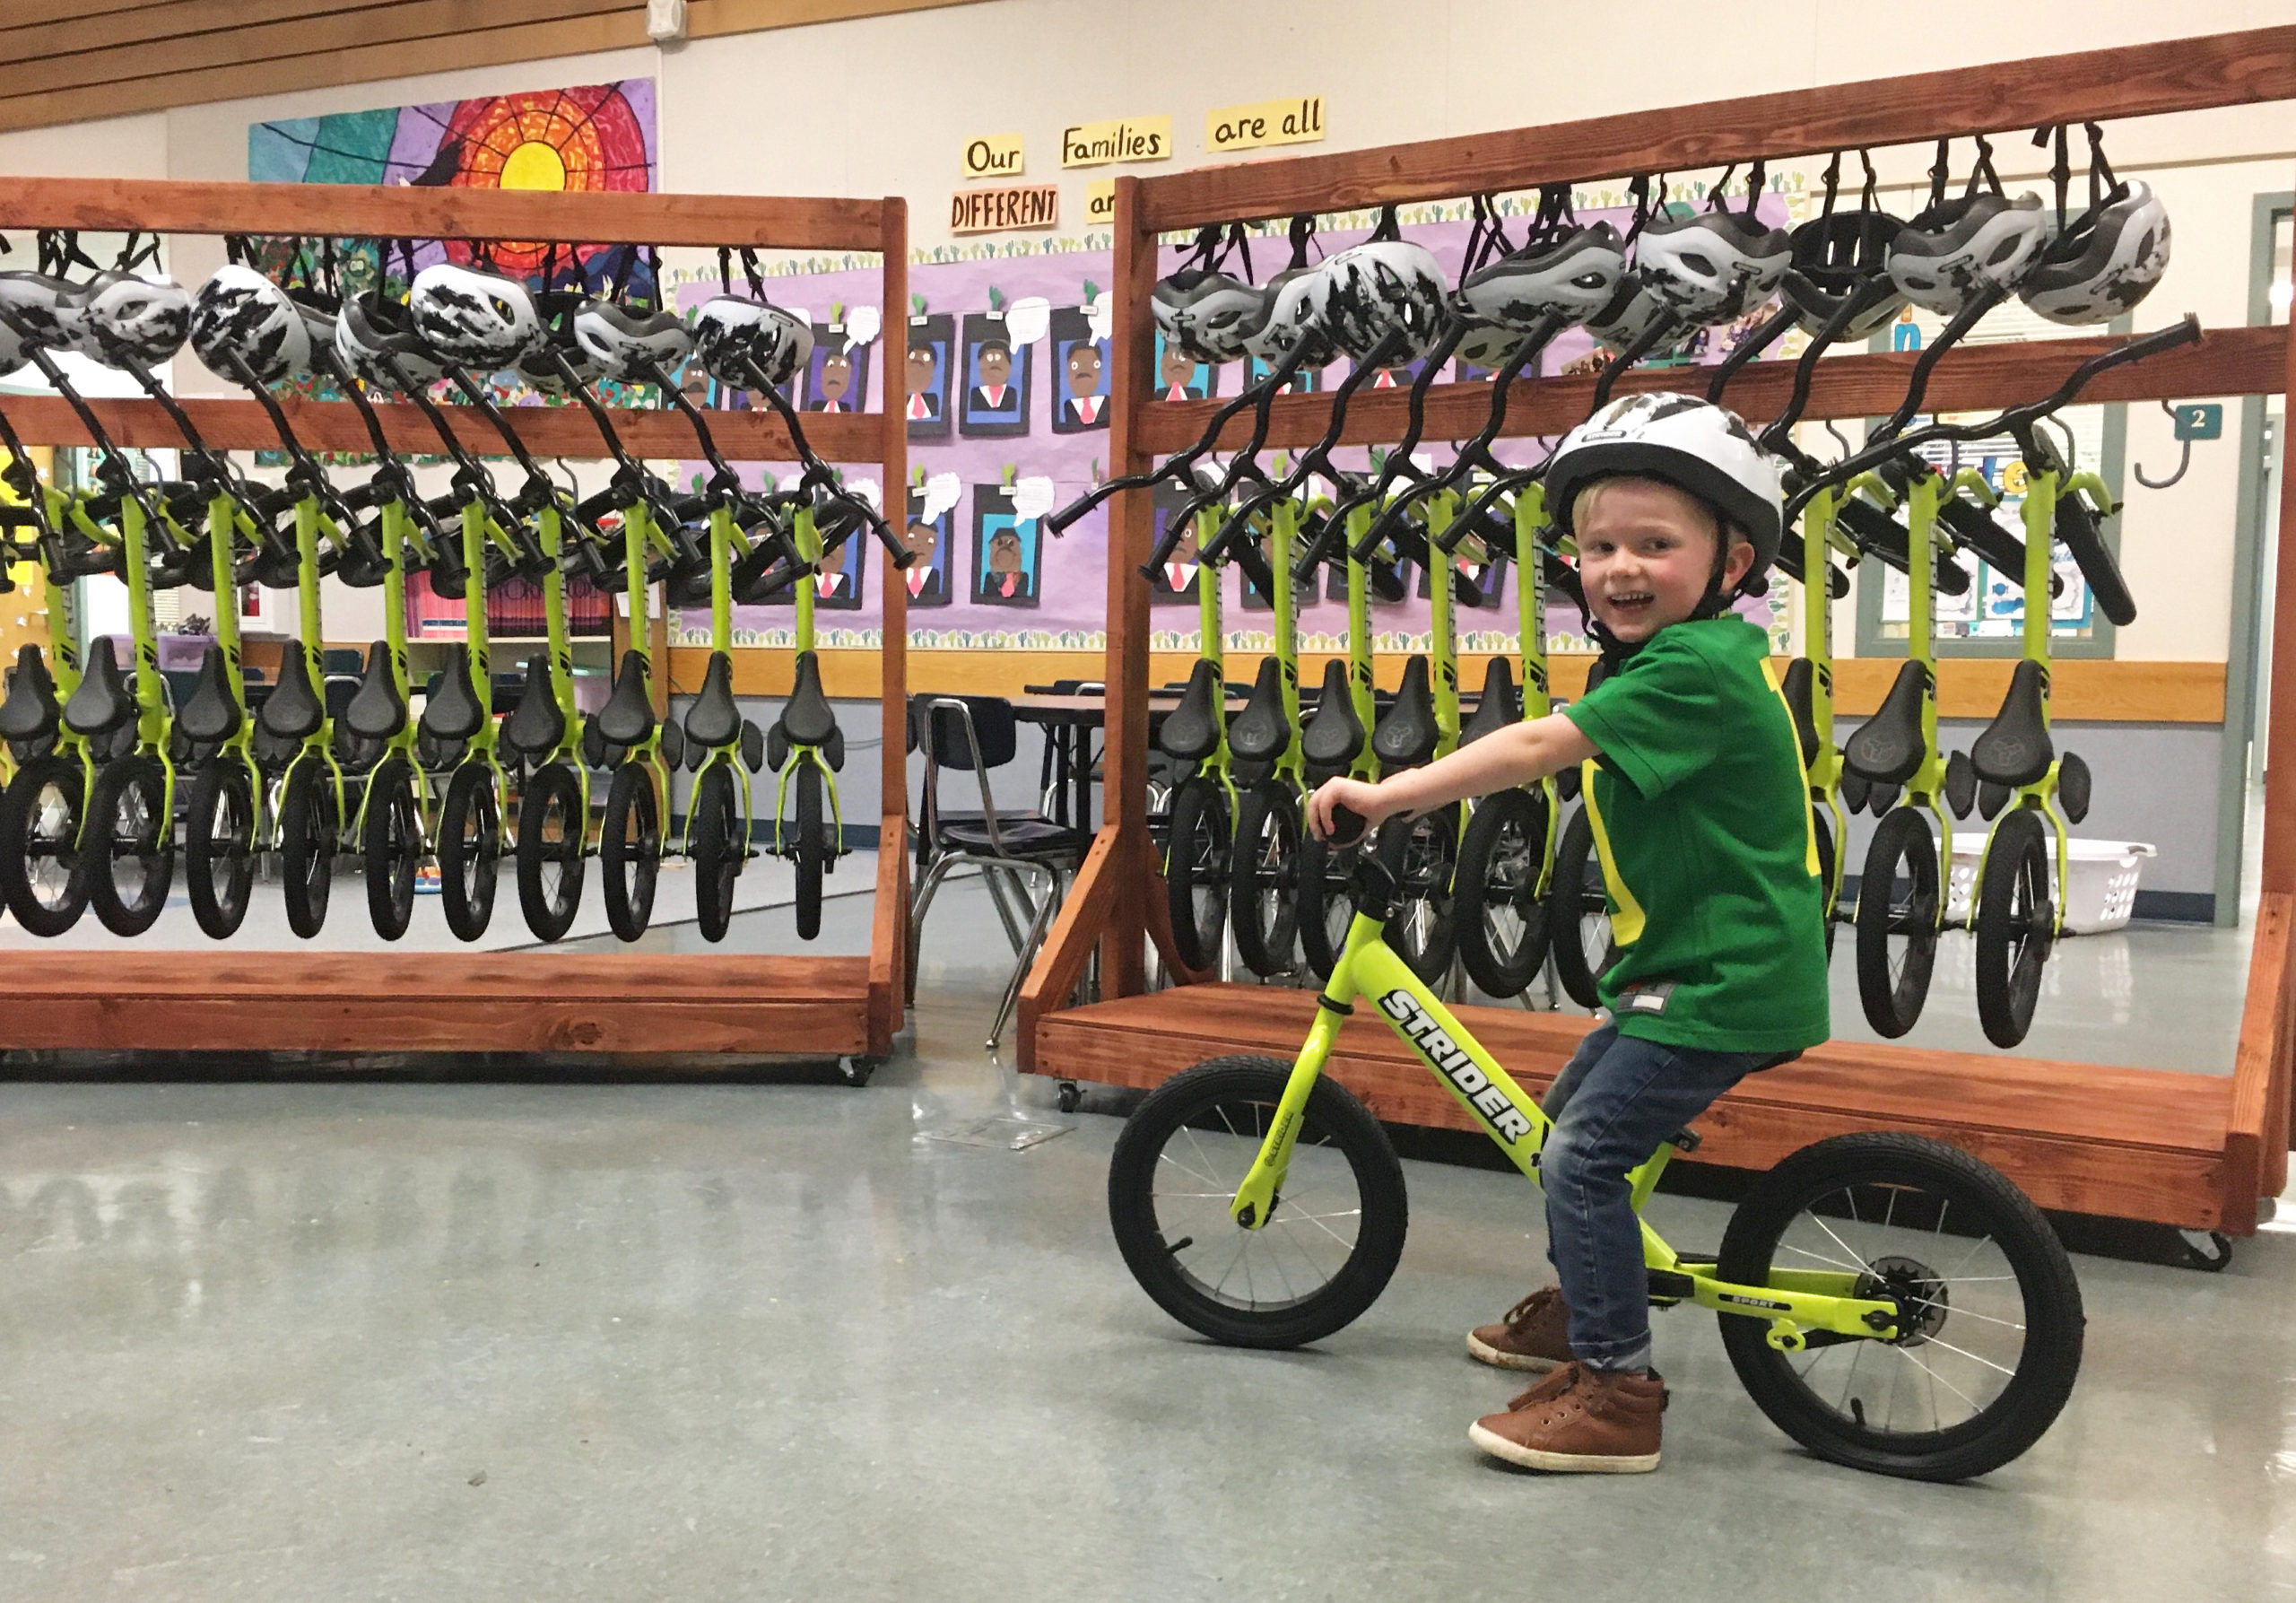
[[1389, 228], [2104, 187], [1716, 198], [1303, 233], [1758, 181], [1940, 172], [2060, 170], [1833, 184], [1983, 170], [1869, 199]]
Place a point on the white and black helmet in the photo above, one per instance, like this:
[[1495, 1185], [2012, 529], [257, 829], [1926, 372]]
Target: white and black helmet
[[2104, 263], [1575, 276], [483, 320], [1208, 313], [123, 320], [1633, 306], [1385, 286], [1956, 248], [1838, 256], [30, 299], [15, 350], [730, 334], [1713, 266], [557, 357], [375, 340], [241, 316], [1692, 444], [1292, 316], [630, 346]]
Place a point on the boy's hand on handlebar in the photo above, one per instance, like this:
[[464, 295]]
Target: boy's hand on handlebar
[[1361, 799]]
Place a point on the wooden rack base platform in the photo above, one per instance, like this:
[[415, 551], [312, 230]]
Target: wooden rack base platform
[[2129, 1143]]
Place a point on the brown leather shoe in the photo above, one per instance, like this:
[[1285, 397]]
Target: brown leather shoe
[[1533, 1336], [1581, 1420]]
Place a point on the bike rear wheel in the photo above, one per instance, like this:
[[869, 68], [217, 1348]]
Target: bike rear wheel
[[629, 849], [39, 845], [813, 851], [1329, 1244], [219, 847], [1264, 897], [717, 850], [308, 828], [1196, 870], [393, 846], [2016, 927], [552, 828], [1422, 930], [1897, 923], [131, 856], [1578, 913], [1326, 910], [470, 846], [1496, 908], [1990, 1319]]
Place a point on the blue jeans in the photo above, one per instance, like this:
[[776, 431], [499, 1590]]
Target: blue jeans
[[1614, 1102]]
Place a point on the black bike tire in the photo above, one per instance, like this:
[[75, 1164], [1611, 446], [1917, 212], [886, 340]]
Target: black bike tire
[[1266, 944], [1894, 1003], [391, 844], [1822, 822], [309, 835], [1571, 901], [1434, 847], [813, 851], [717, 855], [1199, 805], [550, 919], [2055, 1320], [122, 917], [1505, 813], [218, 872], [626, 877], [2008, 968], [469, 906], [1379, 1177], [16, 806], [1324, 875]]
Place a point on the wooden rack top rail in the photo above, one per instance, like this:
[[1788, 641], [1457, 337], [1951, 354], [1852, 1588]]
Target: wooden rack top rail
[[371, 212], [2228, 361], [2223, 69]]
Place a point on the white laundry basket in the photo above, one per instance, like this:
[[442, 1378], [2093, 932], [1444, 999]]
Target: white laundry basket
[[2104, 880]]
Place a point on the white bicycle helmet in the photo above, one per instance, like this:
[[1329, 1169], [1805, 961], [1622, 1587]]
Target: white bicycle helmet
[[1292, 316], [375, 340], [1382, 286], [1690, 444], [1207, 313], [1713, 266], [30, 299], [730, 334], [241, 313], [1834, 257], [630, 346], [2104, 263], [1943, 257], [123, 320], [541, 367], [15, 351], [1633, 306], [1575, 276], [481, 319]]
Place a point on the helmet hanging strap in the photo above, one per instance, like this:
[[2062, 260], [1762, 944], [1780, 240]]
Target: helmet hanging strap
[[1717, 198], [1984, 168], [1870, 198], [1833, 184], [2060, 170], [1940, 170], [2104, 187], [1390, 227], [1758, 181], [1303, 231]]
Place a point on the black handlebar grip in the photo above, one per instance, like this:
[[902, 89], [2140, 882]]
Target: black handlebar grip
[[2077, 524], [13, 516], [1347, 827], [1975, 527]]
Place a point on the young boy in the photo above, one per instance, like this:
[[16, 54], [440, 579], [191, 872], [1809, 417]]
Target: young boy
[[1702, 814]]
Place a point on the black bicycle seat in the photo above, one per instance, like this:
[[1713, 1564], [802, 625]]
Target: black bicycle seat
[[294, 710], [378, 711], [1407, 735], [1887, 748], [1192, 732], [807, 717], [451, 713], [2014, 749], [1261, 731], [1501, 705], [715, 720], [628, 716], [211, 713], [104, 701], [1333, 735], [536, 725], [30, 712], [1798, 687]]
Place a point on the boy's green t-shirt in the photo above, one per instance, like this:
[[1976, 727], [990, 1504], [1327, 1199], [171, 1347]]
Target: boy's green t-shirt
[[1700, 807]]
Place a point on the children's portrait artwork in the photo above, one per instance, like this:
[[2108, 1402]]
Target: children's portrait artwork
[[1174, 580], [927, 533], [837, 378], [1179, 376], [932, 344], [1080, 373], [997, 371], [1005, 550]]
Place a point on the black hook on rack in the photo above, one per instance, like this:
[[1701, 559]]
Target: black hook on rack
[[2184, 460]]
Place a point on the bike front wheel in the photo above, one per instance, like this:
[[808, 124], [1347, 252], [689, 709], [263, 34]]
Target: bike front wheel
[[1496, 908], [1989, 1322], [131, 856], [629, 849], [39, 845], [1328, 1246], [1421, 931], [309, 826], [1196, 870], [2016, 927], [393, 846], [219, 847], [1325, 908], [813, 851], [1578, 913], [470, 846], [1897, 923], [1264, 899], [552, 827], [718, 850]]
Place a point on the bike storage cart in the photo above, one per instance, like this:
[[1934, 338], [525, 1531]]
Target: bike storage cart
[[2196, 1151], [472, 1000]]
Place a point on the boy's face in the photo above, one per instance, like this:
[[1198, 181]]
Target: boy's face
[[837, 376], [921, 364], [1084, 369], [996, 366], [1646, 552]]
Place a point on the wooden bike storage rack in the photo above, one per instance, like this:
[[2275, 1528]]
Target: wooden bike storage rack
[[474, 1001], [2194, 1150]]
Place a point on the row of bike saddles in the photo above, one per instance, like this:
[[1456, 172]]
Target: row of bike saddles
[[114, 778], [1500, 884]]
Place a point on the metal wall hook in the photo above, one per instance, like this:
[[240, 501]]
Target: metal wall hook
[[1839, 438], [2183, 461]]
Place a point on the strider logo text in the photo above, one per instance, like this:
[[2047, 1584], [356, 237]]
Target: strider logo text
[[1505, 1119]]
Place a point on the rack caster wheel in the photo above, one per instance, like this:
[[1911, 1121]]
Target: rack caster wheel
[[1070, 1095], [856, 1071], [2206, 1250]]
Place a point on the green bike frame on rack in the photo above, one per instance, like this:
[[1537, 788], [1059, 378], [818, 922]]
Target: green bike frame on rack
[[41, 809], [545, 730], [1264, 897], [804, 748], [1352, 705], [223, 820], [390, 827], [1198, 848], [474, 817], [627, 739], [1260, 1204]]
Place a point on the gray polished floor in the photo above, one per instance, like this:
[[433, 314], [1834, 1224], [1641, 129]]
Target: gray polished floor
[[756, 1337]]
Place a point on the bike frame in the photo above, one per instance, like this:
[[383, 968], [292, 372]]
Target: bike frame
[[222, 528], [309, 519], [805, 537], [1794, 1303], [399, 532], [1820, 541], [1366, 766], [725, 539], [1530, 612]]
